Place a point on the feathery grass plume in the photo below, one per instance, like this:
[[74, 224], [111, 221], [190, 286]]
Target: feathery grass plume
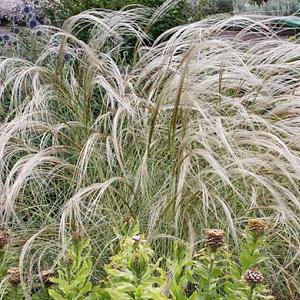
[[201, 130]]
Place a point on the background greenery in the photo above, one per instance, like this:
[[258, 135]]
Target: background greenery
[[184, 12]]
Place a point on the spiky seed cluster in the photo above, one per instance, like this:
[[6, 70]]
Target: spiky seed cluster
[[47, 22], [254, 277], [14, 276], [215, 239], [3, 238], [67, 57], [257, 226], [46, 275]]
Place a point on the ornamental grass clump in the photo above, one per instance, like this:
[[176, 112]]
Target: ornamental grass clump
[[197, 129], [46, 275]]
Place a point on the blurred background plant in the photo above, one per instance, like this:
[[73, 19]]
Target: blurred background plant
[[21, 36], [13, 9], [270, 7], [185, 11]]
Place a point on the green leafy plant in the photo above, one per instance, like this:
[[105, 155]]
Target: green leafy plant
[[176, 16], [74, 271], [133, 273], [215, 272], [9, 273]]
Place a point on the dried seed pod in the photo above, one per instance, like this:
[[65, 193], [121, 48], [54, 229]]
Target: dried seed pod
[[3, 239], [257, 226], [14, 276], [127, 219], [254, 277], [215, 239], [76, 236]]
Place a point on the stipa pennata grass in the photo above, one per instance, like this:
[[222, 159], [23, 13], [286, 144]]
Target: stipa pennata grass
[[200, 131]]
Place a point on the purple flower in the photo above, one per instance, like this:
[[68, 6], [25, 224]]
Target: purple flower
[[6, 37], [33, 23], [67, 57], [27, 9], [16, 30]]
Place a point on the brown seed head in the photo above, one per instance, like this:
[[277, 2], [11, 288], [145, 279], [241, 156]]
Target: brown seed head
[[14, 276], [215, 239], [76, 236], [257, 226], [254, 277], [46, 275], [3, 238], [68, 259], [127, 220]]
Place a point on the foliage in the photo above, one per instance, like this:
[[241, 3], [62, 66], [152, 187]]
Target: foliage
[[13, 9], [198, 131], [181, 12], [132, 275], [24, 41], [73, 274]]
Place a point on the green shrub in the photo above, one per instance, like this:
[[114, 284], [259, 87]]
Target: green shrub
[[74, 272], [183, 12], [132, 273], [176, 16]]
